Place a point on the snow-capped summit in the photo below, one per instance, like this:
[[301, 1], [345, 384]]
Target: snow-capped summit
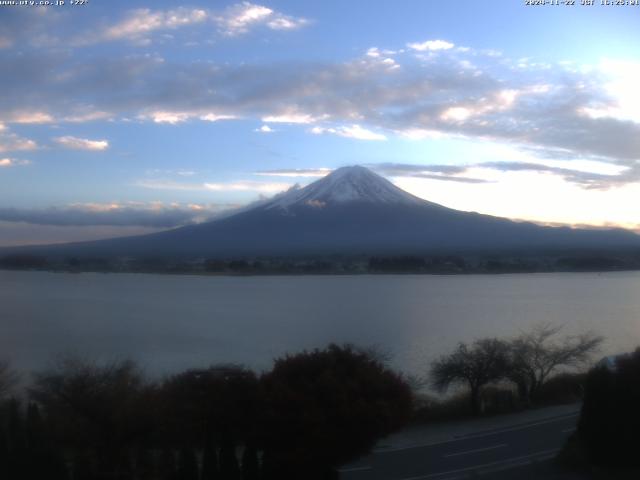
[[353, 184]]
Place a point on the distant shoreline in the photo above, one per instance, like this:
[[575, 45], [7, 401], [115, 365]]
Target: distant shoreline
[[441, 264], [313, 274]]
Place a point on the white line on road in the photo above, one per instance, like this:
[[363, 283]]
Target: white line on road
[[478, 435], [476, 450], [519, 427], [509, 461], [567, 430], [354, 469]]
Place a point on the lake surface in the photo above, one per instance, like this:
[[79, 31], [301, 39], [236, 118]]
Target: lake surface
[[170, 322]]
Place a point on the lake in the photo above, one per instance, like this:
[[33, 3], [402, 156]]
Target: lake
[[170, 322]]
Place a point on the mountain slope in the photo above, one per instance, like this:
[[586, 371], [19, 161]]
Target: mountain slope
[[350, 211]]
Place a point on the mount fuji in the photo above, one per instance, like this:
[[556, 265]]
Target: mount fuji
[[351, 211]]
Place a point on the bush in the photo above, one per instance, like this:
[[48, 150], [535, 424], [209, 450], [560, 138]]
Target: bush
[[494, 400], [200, 405], [430, 409], [610, 418], [498, 399], [562, 389], [327, 407]]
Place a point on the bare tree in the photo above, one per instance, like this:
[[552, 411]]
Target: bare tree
[[475, 365], [535, 355], [8, 378], [104, 408]]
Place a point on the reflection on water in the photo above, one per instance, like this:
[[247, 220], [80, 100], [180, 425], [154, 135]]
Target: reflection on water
[[171, 322]]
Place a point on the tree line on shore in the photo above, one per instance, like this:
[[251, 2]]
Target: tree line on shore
[[311, 413], [335, 264]]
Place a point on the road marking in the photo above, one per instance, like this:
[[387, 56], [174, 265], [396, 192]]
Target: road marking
[[516, 460], [567, 430], [476, 450], [478, 435], [354, 469], [520, 427]]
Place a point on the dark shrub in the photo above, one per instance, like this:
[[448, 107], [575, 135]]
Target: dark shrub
[[563, 388], [326, 407], [200, 405], [610, 418]]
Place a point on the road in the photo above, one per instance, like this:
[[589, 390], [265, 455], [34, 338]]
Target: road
[[468, 456]]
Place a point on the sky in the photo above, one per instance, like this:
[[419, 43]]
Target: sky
[[120, 118]]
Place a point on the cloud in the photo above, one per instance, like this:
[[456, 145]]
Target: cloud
[[12, 162], [295, 172], [39, 28], [31, 117], [446, 173], [155, 215], [431, 45], [138, 24], [621, 80], [29, 27], [265, 129], [458, 173], [555, 110], [290, 117], [248, 186], [20, 233], [456, 114], [240, 18], [76, 143], [284, 22], [406, 169], [10, 142], [233, 186], [352, 131], [213, 117], [360, 133], [434, 172], [176, 117], [169, 117], [160, 184], [450, 178], [86, 114], [586, 179], [179, 172], [144, 25]]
